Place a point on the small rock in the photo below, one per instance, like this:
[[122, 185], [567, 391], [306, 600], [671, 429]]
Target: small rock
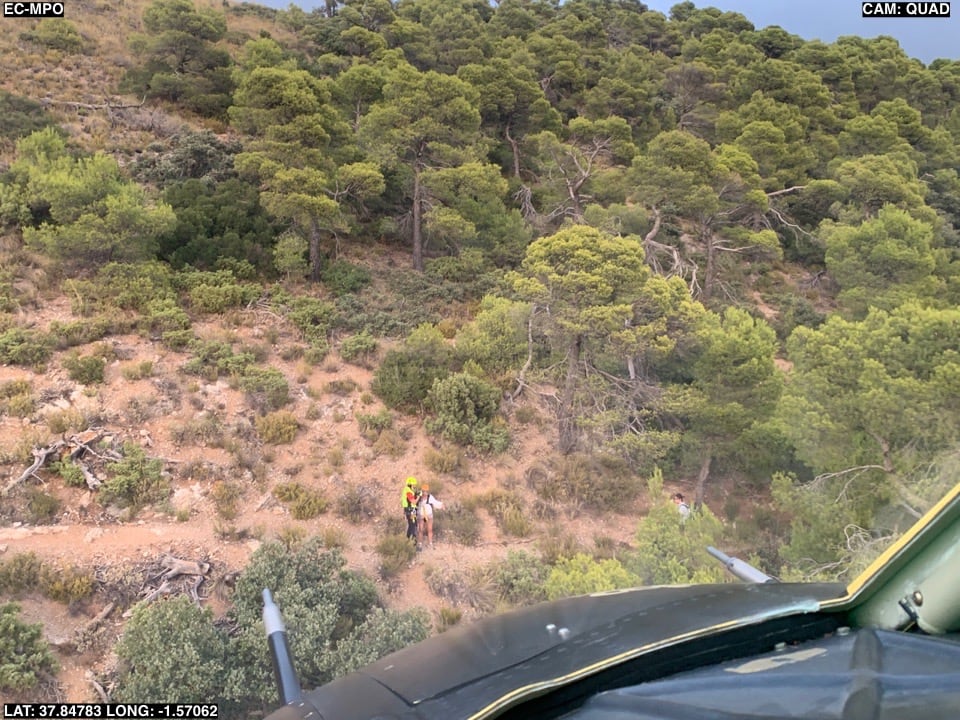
[[3, 548], [93, 534]]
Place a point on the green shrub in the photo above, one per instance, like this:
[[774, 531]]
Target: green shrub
[[404, 378], [26, 655], [134, 480], [312, 317], [217, 298], [519, 578], [315, 354], [56, 34], [581, 574], [41, 507], [359, 348], [20, 573], [126, 286], [343, 278], [20, 116], [278, 427], [24, 347], [70, 472], [266, 388], [464, 408], [177, 339], [65, 584], [20, 405], [305, 503], [81, 332], [396, 553], [372, 424], [86, 369], [212, 357], [164, 315]]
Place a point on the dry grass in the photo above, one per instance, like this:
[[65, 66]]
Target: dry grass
[[93, 75]]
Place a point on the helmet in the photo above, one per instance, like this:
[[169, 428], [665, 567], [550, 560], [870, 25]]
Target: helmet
[[425, 487], [411, 480]]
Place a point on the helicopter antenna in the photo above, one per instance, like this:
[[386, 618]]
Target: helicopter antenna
[[287, 684], [743, 570]]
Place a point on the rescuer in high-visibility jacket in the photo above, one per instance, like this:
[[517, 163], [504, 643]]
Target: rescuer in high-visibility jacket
[[411, 496]]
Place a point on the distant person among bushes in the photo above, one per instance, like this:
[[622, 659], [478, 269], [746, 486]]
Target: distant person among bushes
[[428, 503], [411, 496], [682, 506]]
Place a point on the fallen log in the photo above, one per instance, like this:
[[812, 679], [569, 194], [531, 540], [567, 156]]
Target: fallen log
[[176, 567], [40, 456]]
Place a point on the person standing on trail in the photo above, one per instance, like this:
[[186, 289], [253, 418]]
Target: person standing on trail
[[428, 503], [411, 496]]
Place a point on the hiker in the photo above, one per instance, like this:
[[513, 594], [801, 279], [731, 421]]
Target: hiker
[[682, 506], [428, 503], [411, 496]]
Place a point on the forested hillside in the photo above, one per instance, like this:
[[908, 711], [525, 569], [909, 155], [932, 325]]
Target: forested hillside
[[586, 248]]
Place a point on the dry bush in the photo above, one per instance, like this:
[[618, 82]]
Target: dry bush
[[67, 420], [341, 387], [396, 553], [357, 503], [507, 508], [226, 498], [278, 428], [207, 430], [556, 544], [461, 521], [472, 588], [448, 617], [292, 536], [334, 537], [137, 370], [596, 481], [447, 459], [390, 443]]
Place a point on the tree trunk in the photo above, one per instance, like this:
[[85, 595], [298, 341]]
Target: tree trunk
[[702, 477], [417, 219], [710, 275], [568, 423], [515, 147], [315, 255], [573, 192]]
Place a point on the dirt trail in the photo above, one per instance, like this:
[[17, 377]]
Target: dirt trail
[[328, 454]]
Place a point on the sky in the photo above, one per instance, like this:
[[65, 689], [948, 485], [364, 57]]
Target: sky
[[922, 38]]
